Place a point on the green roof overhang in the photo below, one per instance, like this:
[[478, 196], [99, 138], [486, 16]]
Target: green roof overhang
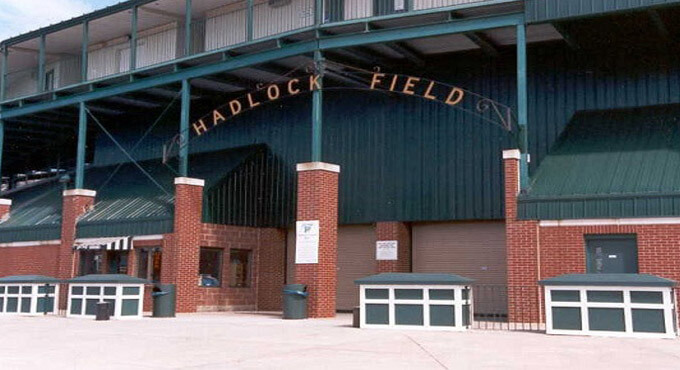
[[636, 280], [29, 279], [413, 279], [107, 279]]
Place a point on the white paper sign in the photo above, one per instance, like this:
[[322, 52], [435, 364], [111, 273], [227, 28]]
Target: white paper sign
[[307, 242], [386, 250]]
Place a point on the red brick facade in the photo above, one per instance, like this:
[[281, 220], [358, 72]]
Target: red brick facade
[[400, 232], [5, 205], [75, 204], [317, 199]]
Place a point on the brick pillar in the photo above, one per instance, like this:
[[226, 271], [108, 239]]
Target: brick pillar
[[5, 205], [317, 199], [524, 294], [182, 256], [401, 233]]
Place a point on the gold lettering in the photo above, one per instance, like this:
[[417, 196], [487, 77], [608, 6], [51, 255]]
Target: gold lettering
[[314, 81], [394, 83], [235, 107], [217, 116], [293, 90], [376, 79], [273, 92], [459, 96], [199, 127], [410, 83], [428, 94], [252, 103]]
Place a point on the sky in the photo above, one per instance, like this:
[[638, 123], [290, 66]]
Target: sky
[[21, 16]]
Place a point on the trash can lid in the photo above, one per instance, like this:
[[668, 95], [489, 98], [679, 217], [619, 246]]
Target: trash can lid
[[413, 279], [108, 279], [609, 280], [29, 279]]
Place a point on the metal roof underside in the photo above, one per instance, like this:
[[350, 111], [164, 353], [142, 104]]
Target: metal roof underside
[[547, 10], [610, 164]]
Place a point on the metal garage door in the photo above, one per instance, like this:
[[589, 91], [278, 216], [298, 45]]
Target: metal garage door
[[356, 259], [472, 249]]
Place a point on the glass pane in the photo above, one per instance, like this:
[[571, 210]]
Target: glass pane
[[12, 304], [26, 305], [94, 290], [210, 266], [466, 315], [466, 294], [408, 314], [43, 307], [91, 306], [408, 293], [110, 290], [377, 294], [648, 321], [565, 295], [646, 297], [13, 290], [2, 304], [441, 315], [566, 318], [606, 319], [130, 307], [442, 294], [77, 290], [130, 290], [76, 306], [2, 289], [26, 289], [611, 296], [239, 262], [377, 314], [50, 289]]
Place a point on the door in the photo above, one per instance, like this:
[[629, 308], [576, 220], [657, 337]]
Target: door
[[611, 254]]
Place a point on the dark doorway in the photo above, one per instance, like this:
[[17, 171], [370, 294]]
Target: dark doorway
[[611, 254]]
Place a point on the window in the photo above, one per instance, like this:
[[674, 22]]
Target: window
[[118, 262], [608, 254], [239, 268], [90, 262], [209, 267], [149, 266]]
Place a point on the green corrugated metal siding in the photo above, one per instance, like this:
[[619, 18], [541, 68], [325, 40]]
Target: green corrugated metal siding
[[621, 163], [35, 214], [546, 10], [408, 159]]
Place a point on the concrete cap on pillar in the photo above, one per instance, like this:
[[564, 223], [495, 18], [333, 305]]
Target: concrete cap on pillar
[[5, 202], [511, 154], [189, 181], [80, 192], [315, 166]]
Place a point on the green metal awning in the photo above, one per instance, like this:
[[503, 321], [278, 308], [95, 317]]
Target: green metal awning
[[413, 279], [645, 280], [610, 164]]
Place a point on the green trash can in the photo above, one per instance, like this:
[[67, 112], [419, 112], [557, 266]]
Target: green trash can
[[295, 301], [164, 300]]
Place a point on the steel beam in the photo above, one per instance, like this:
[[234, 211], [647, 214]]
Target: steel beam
[[82, 139], [522, 104], [317, 110], [184, 129], [286, 51], [187, 27]]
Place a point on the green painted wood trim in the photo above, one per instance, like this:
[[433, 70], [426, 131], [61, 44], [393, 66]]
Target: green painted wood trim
[[188, 10], [549, 10], [317, 111], [249, 20], [41, 64], [82, 139], [133, 37], [3, 73], [83, 51]]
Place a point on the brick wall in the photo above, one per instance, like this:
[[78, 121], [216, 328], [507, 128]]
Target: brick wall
[[400, 232], [74, 206], [30, 260], [272, 269], [317, 199]]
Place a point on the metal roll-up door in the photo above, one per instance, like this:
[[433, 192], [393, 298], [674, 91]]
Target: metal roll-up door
[[356, 259], [471, 249]]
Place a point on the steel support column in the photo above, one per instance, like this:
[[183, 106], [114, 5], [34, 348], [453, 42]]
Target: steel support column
[[3, 73], [317, 109], [318, 12], [82, 140], [522, 102], [41, 64], [83, 51], [184, 129], [187, 27], [133, 38]]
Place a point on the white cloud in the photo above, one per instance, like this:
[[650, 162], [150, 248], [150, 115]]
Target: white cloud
[[20, 16]]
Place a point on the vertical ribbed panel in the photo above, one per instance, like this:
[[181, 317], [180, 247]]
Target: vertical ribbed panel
[[542, 10]]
